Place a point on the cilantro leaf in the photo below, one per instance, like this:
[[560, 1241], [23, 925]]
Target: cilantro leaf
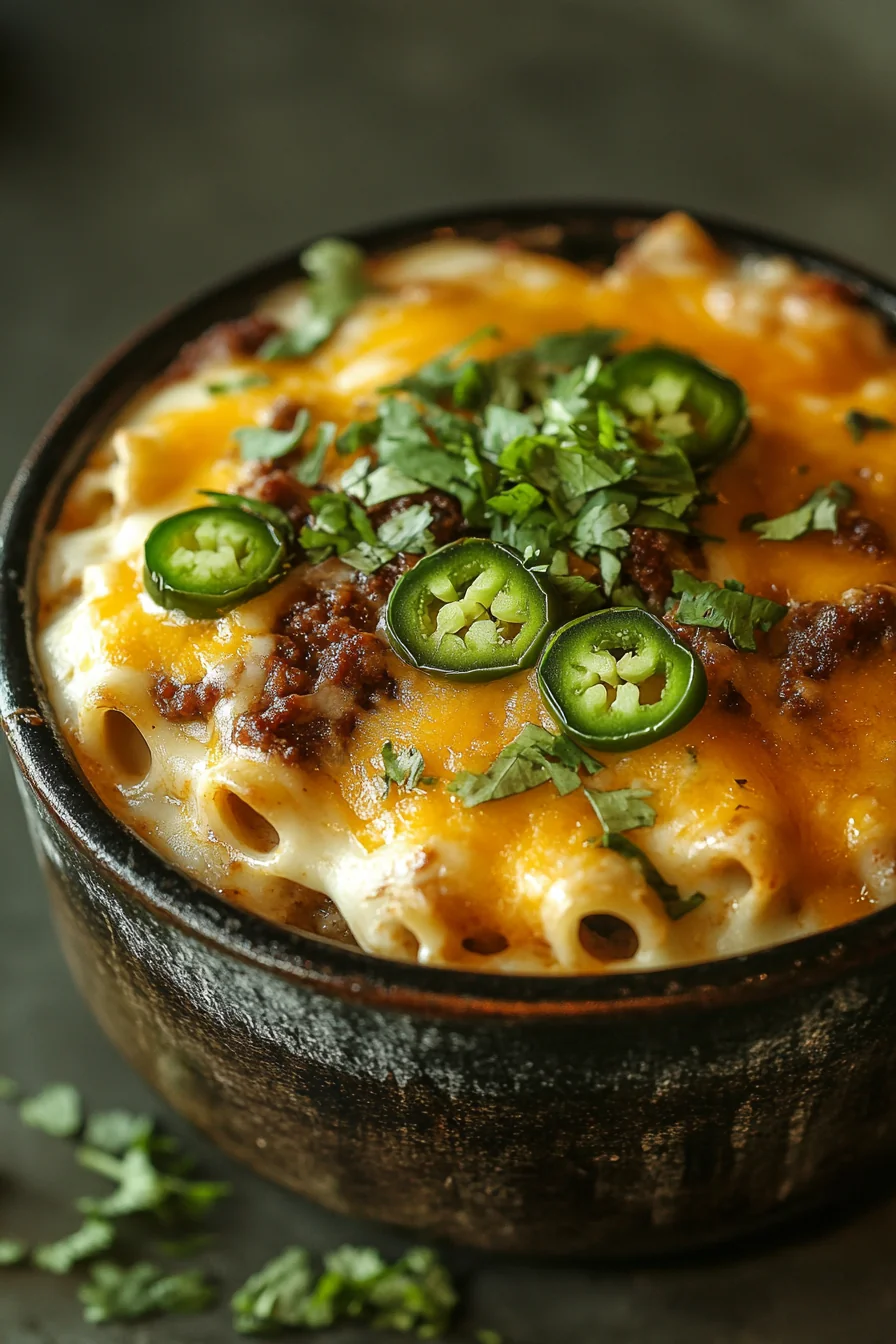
[[310, 469], [116, 1131], [12, 1251], [729, 608], [258, 443], [239, 383], [860, 423], [57, 1110], [276, 1295], [443, 375], [501, 426], [141, 1187], [624, 809], [413, 1294], [408, 531], [59, 1257], [9, 1088], [819, 513], [403, 767], [340, 524], [621, 809], [118, 1294], [533, 757], [379, 485], [336, 283], [568, 349], [517, 502]]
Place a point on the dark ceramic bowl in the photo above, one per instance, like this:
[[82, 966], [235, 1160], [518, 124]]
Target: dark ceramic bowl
[[611, 1115]]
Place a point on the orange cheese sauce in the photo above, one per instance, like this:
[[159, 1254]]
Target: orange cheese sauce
[[825, 784]]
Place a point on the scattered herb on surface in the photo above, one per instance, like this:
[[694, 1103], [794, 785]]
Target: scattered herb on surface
[[859, 423], [12, 1252], [415, 1293], [115, 1131], [94, 1236], [727, 607], [56, 1109], [142, 1187], [118, 1294]]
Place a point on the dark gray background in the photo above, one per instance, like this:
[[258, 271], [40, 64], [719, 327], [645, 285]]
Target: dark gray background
[[146, 149]]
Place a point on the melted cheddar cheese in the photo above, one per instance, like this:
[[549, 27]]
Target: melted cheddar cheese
[[784, 821]]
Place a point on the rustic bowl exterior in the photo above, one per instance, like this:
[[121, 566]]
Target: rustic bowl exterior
[[610, 1115]]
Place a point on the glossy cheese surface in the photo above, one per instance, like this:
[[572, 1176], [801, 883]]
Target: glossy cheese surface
[[786, 823]]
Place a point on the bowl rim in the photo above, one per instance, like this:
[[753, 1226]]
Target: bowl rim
[[51, 773]]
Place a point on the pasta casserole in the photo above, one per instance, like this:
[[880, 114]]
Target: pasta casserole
[[495, 612]]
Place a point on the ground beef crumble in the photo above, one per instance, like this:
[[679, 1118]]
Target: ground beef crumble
[[326, 643], [651, 559], [820, 635], [185, 702], [858, 533], [241, 338]]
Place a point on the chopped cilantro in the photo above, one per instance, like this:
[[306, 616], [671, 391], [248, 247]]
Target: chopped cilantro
[[819, 513], [276, 1295], [621, 809], [380, 484], [57, 1110], [336, 283], [728, 608], [408, 532], [116, 1131], [59, 1257], [12, 1252], [402, 766], [117, 1294], [532, 758], [860, 423], [624, 809], [517, 502], [568, 349], [142, 1187], [257, 443], [239, 383], [443, 375], [310, 469], [415, 1293]]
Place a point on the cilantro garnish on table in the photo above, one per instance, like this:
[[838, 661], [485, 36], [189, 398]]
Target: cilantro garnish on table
[[414, 1294]]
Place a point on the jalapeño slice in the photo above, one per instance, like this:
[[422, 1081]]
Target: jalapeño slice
[[619, 679], [705, 412], [470, 611], [206, 561]]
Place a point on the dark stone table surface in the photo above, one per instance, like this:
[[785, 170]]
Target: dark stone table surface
[[146, 149]]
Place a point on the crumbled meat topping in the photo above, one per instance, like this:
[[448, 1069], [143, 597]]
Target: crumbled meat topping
[[326, 643], [185, 702], [652, 557], [820, 635], [241, 338]]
